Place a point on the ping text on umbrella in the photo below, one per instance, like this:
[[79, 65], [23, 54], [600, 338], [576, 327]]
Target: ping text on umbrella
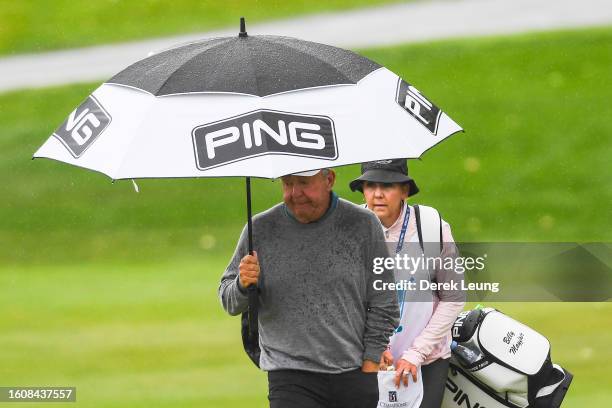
[[264, 132]]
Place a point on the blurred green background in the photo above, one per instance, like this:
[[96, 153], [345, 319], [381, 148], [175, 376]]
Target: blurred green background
[[114, 291]]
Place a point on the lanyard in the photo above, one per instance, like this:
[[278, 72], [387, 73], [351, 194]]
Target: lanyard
[[400, 241], [401, 294]]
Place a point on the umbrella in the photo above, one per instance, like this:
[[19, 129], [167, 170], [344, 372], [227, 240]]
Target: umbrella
[[251, 106]]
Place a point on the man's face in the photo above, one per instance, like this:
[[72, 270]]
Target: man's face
[[385, 199], [308, 197]]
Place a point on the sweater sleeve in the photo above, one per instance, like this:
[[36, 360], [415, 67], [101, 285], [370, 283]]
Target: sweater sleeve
[[233, 296], [382, 315], [450, 305]]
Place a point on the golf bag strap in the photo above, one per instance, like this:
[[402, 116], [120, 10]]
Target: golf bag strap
[[429, 226], [549, 389]]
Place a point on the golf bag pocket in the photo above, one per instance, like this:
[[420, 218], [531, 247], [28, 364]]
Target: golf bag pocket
[[496, 356], [512, 343], [390, 396]]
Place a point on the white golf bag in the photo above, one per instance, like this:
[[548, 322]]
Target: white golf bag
[[499, 362]]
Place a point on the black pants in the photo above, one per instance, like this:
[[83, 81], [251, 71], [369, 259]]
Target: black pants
[[303, 389], [434, 380]]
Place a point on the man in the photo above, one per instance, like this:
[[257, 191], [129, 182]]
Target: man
[[322, 325]]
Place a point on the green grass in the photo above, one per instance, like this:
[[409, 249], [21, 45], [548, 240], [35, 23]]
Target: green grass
[[155, 336], [40, 25], [152, 335], [114, 292]]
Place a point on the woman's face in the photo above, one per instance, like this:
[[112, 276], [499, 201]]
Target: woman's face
[[385, 199]]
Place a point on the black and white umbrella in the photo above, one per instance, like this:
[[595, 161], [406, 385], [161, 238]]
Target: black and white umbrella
[[258, 106], [253, 106]]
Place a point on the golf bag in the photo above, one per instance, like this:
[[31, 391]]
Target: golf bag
[[498, 362]]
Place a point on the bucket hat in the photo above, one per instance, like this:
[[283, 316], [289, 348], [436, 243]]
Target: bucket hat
[[385, 171]]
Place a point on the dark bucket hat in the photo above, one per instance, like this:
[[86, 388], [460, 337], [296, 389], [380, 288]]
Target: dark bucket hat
[[385, 171]]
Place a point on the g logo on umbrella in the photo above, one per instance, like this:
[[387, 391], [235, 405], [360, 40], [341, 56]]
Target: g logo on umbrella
[[83, 126]]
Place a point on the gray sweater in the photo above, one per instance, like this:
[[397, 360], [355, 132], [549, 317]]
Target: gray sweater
[[318, 309]]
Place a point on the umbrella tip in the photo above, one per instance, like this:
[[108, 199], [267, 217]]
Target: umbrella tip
[[243, 32]]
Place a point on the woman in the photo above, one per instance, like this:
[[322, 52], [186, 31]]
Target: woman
[[423, 337]]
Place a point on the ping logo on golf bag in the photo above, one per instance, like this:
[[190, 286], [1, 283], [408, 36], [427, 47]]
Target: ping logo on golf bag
[[264, 132], [416, 104], [456, 330], [392, 396], [460, 397], [83, 126]]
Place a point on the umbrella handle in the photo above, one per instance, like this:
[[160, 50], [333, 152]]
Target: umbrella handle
[[252, 289]]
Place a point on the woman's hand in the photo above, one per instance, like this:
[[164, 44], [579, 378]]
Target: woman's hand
[[386, 360], [402, 370]]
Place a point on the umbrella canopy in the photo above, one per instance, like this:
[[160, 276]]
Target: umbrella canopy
[[259, 106], [253, 65]]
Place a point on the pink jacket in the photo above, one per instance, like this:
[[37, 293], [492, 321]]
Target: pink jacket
[[434, 341]]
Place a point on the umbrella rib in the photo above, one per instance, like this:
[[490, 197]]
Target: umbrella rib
[[131, 143], [252, 69]]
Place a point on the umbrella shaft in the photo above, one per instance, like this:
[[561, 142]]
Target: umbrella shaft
[[249, 222]]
